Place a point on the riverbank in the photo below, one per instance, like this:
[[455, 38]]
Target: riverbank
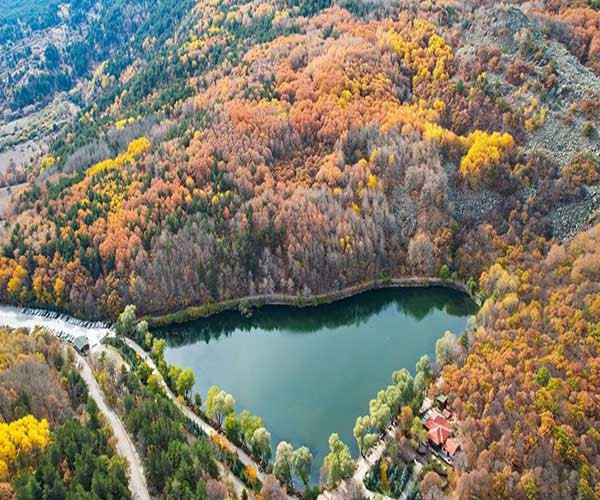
[[192, 313]]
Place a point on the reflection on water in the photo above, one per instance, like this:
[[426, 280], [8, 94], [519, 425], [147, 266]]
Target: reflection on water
[[310, 372], [411, 302]]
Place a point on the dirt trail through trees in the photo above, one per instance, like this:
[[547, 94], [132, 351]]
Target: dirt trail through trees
[[125, 448]]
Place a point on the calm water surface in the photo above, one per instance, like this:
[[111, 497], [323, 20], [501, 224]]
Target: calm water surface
[[310, 372]]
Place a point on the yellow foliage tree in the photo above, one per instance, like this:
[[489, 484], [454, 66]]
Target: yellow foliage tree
[[24, 436], [372, 181], [138, 146], [135, 148], [385, 483], [59, 288], [424, 52], [16, 284], [251, 474], [486, 153]]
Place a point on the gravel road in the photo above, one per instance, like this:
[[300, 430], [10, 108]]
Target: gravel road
[[125, 448]]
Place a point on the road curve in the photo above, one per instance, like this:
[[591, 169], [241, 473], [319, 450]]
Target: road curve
[[125, 448], [15, 318]]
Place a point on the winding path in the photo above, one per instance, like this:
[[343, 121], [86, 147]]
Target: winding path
[[125, 448], [15, 318], [363, 465]]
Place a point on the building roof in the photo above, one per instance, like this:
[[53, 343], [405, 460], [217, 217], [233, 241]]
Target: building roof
[[436, 419], [447, 414], [430, 423], [439, 434], [442, 398], [451, 445], [81, 343]]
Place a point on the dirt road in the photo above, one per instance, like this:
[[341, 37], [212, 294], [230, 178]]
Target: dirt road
[[125, 448]]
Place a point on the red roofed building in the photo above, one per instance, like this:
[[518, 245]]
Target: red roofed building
[[439, 434], [450, 446], [430, 424], [436, 419]]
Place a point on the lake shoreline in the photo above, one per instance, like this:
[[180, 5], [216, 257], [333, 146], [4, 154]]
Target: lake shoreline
[[310, 372], [192, 313]]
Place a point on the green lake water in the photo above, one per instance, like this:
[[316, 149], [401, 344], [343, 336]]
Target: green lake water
[[310, 372]]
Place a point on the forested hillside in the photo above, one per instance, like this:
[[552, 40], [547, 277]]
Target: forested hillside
[[49, 46], [235, 148], [526, 391], [273, 148]]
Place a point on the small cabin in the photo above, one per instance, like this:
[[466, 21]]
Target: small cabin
[[82, 344], [442, 401]]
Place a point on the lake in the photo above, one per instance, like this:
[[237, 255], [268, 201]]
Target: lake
[[310, 372]]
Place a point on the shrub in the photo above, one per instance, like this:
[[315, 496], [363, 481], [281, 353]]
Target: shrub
[[444, 272], [588, 129]]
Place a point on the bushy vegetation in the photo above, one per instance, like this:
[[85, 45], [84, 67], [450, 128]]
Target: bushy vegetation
[[389, 478]]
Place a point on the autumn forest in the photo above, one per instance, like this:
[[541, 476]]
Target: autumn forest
[[242, 148]]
